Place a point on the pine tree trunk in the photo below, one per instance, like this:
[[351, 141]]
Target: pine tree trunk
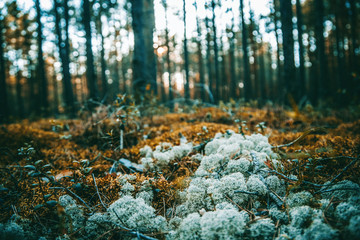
[[320, 46], [288, 46], [247, 80], [44, 104], [186, 58], [4, 111], [90, 67], [216, 56], [302, 81], [200, 57]]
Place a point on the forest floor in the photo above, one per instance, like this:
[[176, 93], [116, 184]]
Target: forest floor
[[99, 158]]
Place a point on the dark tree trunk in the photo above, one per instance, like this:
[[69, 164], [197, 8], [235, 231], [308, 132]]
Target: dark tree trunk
[[247, 80], [186, 58], [200, 57], [90, 68], [279, 80], [19, 93], [64, 51], [44, 104], [233, 78], [4, 111], [216, 56], [354, 35], [209, 61], [149, 27], [288, 46], [143, 66], [104, 83], [302, 80], [168, 62], [320, 46]]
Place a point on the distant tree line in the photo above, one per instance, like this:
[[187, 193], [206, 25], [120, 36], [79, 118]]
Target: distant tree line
[[86, 52]]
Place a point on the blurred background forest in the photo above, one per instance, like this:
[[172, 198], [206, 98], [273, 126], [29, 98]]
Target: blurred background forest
[[61, 55]]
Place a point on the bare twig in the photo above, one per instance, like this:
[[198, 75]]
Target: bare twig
[[97, 191]]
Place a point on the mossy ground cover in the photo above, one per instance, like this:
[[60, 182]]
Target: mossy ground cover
[[45, 159]]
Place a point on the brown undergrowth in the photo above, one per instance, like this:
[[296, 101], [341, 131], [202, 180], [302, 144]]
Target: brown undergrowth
[[42, 160]]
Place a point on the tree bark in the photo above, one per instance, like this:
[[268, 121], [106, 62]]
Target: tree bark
[[216, 53], [247, 80], [302, 81], [320, 48], [288, 46], [200, 57], [44, 104], [90, 68], [4, 111], [144, 78], [186, 58]]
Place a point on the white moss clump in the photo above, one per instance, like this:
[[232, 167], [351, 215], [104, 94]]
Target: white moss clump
[[262, 229], [146, 152], [299, 199], [210, 164], [227, 187], [254, 184], [12, 230], [163, 154], [301, 216], [74, 211], [346, 190], [353, 229], [123, 179], [276, 185], [189, 228], [318, 230], [278, 215], [222, 224], [136, 214], [97, 224], [148, 163], [239, 165], [146, 195], [344, 211]]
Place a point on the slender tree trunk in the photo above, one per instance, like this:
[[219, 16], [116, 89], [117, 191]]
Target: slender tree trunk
[[41, 65], [279, 80], [64, 49], [354, 35], [90, 68], [168, 62], [200, 57], [4, 111], [56, 95], [302, 80], [288, 45], [320, 46], [209, 61], [247, 80], [340, 55], [262, 77], [233, 78], [19, 93], [186, 58], [216, 55], [104, 82]]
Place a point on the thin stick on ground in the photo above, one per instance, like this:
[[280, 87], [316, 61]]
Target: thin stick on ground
[[97, 191]]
